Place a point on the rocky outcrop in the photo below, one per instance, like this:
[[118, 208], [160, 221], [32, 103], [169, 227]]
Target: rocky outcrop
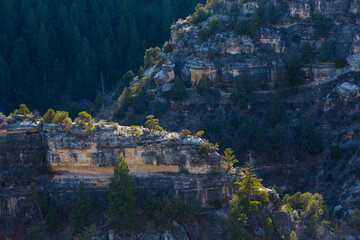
[[224, 55], [158, 161]]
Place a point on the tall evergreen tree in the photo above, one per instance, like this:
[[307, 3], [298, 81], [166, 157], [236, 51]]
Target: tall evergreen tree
[[81, 210], [122, 197], [43, 54]]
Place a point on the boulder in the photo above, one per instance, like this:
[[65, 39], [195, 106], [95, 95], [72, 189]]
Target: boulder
[[166, 87], [282, 222], [348, 91], [179, 233]]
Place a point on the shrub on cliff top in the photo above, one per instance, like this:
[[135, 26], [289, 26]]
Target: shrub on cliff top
[[23, 110], [84, 116], [49, 115], [89, 128], [152, 123], [201, 14], [185, 132], [60, 117]]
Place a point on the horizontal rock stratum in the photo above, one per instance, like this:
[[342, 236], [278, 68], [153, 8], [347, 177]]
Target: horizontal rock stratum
[[158, 161]]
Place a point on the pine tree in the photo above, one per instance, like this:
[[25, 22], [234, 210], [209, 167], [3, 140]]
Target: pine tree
[[250, 188], [178, 90], [122, 197], [123, 104], [228, 160], [107, 60], [81, 212], [237, 220], [43, 52]]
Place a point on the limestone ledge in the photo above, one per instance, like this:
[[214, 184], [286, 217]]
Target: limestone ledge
[[77, 153]]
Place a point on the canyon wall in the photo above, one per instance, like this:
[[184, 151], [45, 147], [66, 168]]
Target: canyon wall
[[160, 162]]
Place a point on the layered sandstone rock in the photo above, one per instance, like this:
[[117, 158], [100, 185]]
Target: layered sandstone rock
[[158, 161], [224, 55]]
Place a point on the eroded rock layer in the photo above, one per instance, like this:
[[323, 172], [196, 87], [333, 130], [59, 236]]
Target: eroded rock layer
[[160, 162]]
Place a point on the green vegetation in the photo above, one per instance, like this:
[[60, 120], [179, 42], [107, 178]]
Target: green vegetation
[[308, 51], [125, 80], [245, 84], [228, 160], [213, 3], [340, 63], [312, 205], [122, 104], [322, 26], [152, 123], [276, 112], [152, 57], [203, 85], [185, 132], [308, 137], [206, 146], [49, 116], [251, 192], [167, 47], [56, 52], [122, 198], [212, 27], [89, 128], [81, 213], [91, 232], [168, 207], [200, 133], [178, 90], [269, 228], [294, 72], [293, 236], [201, 14], [336, 152], [23, 110], [244, 27], [248, 201], [60, 117], [237, 220], [44, 215], [327, 52], [84, 116]]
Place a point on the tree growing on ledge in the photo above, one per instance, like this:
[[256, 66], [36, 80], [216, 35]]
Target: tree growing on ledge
[[121, 197], [251, 192], [152, 123], [228, 160]]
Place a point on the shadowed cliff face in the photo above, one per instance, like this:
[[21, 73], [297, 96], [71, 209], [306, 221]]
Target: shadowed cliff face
[[160, 162]]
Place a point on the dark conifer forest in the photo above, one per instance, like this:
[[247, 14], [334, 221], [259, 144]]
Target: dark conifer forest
[[54, 53]]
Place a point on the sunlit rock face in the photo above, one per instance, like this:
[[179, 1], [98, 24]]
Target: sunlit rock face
[[160, 162], [219, 55]]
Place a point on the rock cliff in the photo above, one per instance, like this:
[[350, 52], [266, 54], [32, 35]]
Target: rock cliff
[[287, 27], [323, 38], [59, 160]]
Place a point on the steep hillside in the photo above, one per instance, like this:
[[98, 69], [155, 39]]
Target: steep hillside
[[276, 78]]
